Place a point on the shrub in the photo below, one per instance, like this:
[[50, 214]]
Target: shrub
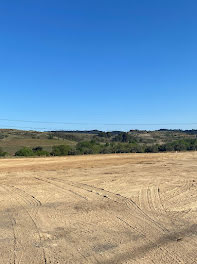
[[60, 150], [124, 137], [26, 152], [38, 151], [42, 153], [73, 151], [88, 147], [151, 149], [136, 148]]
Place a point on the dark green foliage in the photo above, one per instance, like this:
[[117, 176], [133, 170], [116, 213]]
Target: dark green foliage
[[38, 151], [162, 148], [179, 145], [152, 149], [124, 137], [89, 147], [94, 147], [42, 153], [136, 148], [26, 152], [61, 150], [105, 134], [74, 151]]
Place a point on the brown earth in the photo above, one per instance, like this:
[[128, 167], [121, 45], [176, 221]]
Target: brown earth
[[107, 209]]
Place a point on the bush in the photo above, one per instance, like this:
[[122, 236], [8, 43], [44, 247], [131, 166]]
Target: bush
[[61, 150], [38, 151], [88, 147], [26, 152], [124, 137], [73, 151], [152, 149], [94, 147], [42, 153]]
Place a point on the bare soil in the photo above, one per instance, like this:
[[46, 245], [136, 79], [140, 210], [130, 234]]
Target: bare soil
[[107, 209]]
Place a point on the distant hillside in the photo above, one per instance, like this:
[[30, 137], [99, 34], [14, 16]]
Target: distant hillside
[[147, 137], [11, 140]]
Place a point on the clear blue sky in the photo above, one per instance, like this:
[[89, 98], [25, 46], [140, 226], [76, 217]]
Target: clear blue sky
[[98, 61]]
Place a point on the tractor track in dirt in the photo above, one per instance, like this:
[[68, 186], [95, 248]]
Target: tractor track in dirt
[[117, 198], [102, 209]]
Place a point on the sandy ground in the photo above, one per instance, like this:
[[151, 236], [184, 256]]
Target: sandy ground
[[107, 209]]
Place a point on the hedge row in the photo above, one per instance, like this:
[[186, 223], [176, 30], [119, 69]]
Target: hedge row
[[93, 147]]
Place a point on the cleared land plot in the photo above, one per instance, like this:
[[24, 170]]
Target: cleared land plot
[[124, 208]]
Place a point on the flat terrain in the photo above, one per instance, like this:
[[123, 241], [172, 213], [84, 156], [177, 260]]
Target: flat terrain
[[107, 209]]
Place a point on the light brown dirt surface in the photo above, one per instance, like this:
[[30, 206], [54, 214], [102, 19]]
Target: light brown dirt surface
[[107, 209]]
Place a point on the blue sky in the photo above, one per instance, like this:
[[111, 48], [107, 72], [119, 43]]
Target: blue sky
[[98, 62]]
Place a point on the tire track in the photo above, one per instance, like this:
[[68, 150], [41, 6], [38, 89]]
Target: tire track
[[36, 203], [154, 205], [28, 199], [89, 195], [139, 227], [64, 190], [60, 187], [170, 194], [10, 222], [140, 214], [28, 243], [152, 195]]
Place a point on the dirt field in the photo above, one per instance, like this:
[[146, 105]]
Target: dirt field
[[107, 209]]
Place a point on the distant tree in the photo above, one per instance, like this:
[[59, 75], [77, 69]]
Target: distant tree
[[169, 147], [162, 148], [25, 152], [61, 150], [73, 151], [180, 146], [124, 137], [136, 148], [42, 153], [38, 151], [152, 149], [89, 147]]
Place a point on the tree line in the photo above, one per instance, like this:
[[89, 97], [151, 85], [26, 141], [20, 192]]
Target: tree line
[[94, 147]]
